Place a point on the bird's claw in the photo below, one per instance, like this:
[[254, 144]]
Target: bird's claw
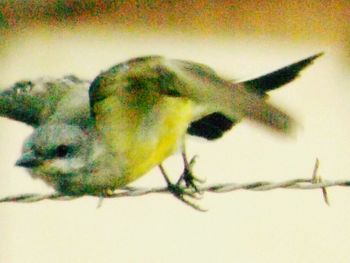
[[180, 190], [188, 178], [182, 193]]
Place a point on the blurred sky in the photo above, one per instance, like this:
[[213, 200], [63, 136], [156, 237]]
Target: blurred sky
[[239, 39]]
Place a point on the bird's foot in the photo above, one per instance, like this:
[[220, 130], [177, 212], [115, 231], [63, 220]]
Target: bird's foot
[[188, 177], [183, 193]]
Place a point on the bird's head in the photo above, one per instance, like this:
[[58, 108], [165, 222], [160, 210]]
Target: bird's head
[[57, 153]]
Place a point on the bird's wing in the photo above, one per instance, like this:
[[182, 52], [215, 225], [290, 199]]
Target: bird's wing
[[211, 126], [234, 101], [33, 102], [214, 125], [190, 80]]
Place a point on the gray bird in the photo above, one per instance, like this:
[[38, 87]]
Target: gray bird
[[91, 138]]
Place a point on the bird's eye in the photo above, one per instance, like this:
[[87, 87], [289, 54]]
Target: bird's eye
[[62, 151]]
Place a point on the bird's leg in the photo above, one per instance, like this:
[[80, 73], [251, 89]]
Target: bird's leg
[[105, 193], [187, 175], [180, 192]]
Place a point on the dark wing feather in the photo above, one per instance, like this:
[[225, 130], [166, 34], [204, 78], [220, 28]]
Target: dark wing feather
[[278, 78], [214, 125], [211, 126]]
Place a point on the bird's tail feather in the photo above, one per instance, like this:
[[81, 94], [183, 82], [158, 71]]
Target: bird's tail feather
[[278, 78], [249, 105], [270, 116]]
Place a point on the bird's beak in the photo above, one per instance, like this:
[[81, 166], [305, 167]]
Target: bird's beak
[[28, 160]]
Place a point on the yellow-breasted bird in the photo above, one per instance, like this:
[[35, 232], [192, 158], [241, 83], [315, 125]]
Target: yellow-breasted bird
[[140, 112]]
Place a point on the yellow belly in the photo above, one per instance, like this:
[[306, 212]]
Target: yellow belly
[[141, 140]]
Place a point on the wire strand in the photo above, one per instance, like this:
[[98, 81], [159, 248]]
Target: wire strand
[[315, 182]]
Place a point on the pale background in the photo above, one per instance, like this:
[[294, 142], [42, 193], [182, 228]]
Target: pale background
[[239, 40]]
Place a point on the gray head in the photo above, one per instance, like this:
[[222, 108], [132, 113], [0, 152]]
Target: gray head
[[58, 153]]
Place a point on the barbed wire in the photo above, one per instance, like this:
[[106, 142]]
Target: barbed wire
[[316, 182]]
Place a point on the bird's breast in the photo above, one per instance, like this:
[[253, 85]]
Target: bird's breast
[[140, 138]]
